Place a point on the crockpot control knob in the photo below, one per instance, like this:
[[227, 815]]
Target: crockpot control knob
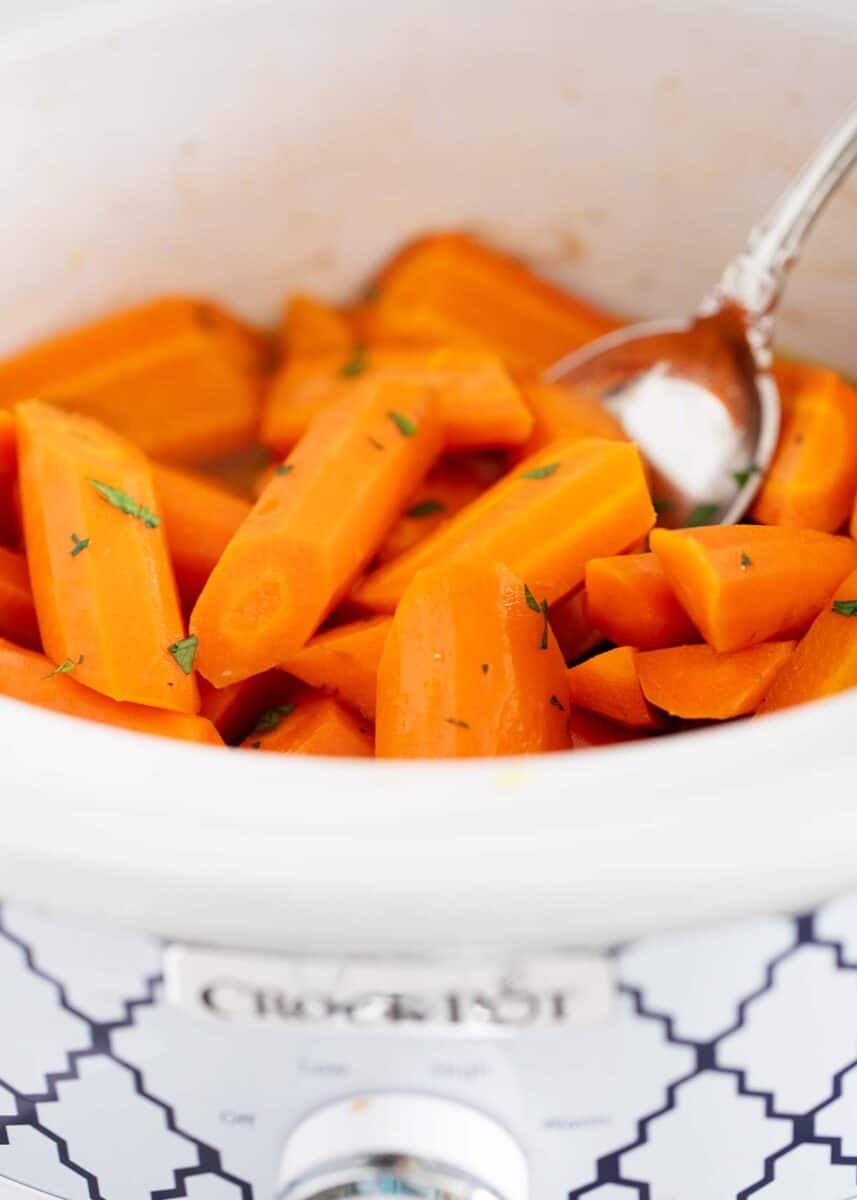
[[391, 1143]]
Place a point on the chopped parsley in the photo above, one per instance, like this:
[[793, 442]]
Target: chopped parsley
[[458, 724], [746, 560], [425, 508], [256, 745], [845, 608], [78, 546], [532, 602], [405, 426], [356, 364], [378, 445], [557, 703], [271, 717], [543, 643], [284, 469], [68, 664], [701, 515], [184, 652], [744, 477], [541, 472], [485, 668], [126, 504]]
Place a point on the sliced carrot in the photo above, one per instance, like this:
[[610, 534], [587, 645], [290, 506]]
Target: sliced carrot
[[744, 584], [17, 612], [449, 284], [102, 581], [446, 489], [812, 480], [314, 528], [312, 724], [310, 328], [470, 668], [344, 661], [629, 598], [263, 477], [200, 517], [698, 684], [574, 631], [825, 661], [559, 412], [608, 685], [589, 730], [569, 503], [27, 676], [234, 710], [179, 377], [8, 480], [480, 403], [853, 528]]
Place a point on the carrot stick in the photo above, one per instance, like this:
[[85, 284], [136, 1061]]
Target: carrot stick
[[629, 598], [559, 412], [574, 630], [571, 502], [314, 528], [234, 710], [825, 661], [745, 584], [589, 730], [447, 488], [180, 378], [101, 576], [449, 284], [480, 404], [200, 517], [344, 661], [311, 724], [310, 329], [17, 612], [608, 685], [812, 480], [696, 683], [27, 676], [470, 669], [9, 532]]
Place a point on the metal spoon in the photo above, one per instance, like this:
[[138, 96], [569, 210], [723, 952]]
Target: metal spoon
[[697, 395]]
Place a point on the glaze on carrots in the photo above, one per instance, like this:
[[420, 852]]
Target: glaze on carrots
[[697, 683]]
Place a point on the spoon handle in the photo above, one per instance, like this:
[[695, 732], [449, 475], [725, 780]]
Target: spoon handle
[[755, 278]]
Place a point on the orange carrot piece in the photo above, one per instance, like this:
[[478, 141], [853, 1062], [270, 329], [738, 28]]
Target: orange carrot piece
[[449, 284], [744, 584], [18, 620], [178, 377], [589, 730], [444, 492], [559, 412], [102, 582], [825, 661], [310, 329], [27, 676], [553, 512], [234, 710], [344, 661], [812, 480], [8, 479], [263, 477], [480, 403], [574, 630], [200, 517], [629, 598], [853, 527], [698, 684], [314, 528], [469, 669], [312, 724], [608, 685]]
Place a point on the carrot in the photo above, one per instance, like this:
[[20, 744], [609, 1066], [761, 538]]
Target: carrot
[[234, 710], [27, 676], [344, 661], [449, 284], [480, 404], [8, 479], [263, 477], [812, 480], [629, 598], [314, 528], [178, 377], [825, 661], [696, 683], [608, 685], [559, 412], [447, 488], [853, 527], [102, 583], [470, 668], [200, 517], [310, 328], [311, 724], [17, 611], [745, 584], [574, 631], [569, 503], [589, 730]]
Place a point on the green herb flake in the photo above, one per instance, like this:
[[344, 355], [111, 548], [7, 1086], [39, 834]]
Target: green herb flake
[[184, 652], [126, 504], [271, 717], [557, 703], [256, 745], [845, 608], [541, 472], [374, 441], [426, 508], [65, 666], [371, 293], [485, 668], [458, 724], [405, 426], [743, 477], [356, 364], [532, 602], [284, 469], [746, 560], [543, 643], [78, 545], [701, 515]]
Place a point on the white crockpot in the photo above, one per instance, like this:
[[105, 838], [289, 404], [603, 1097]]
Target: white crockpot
[[244, 148]]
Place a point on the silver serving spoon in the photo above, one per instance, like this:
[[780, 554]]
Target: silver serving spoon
[[697, 395]]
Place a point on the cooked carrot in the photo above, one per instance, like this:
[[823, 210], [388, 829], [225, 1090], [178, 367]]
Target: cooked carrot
[[449, 284], [812, 480], [178, 377], [698, 684], [589, 730], [608, 685], [825, 661], [629, 598], [574, 631], [102, 582], [470, 668], [569, 503], [480, 403], [18, 620], [8, 479], [312, 724], [310, 328], [27, 676], [234, 710], [344, 661], [744, 584], [200, 517], [853, 527], [447, 488], [559, 412], [314, 528]]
